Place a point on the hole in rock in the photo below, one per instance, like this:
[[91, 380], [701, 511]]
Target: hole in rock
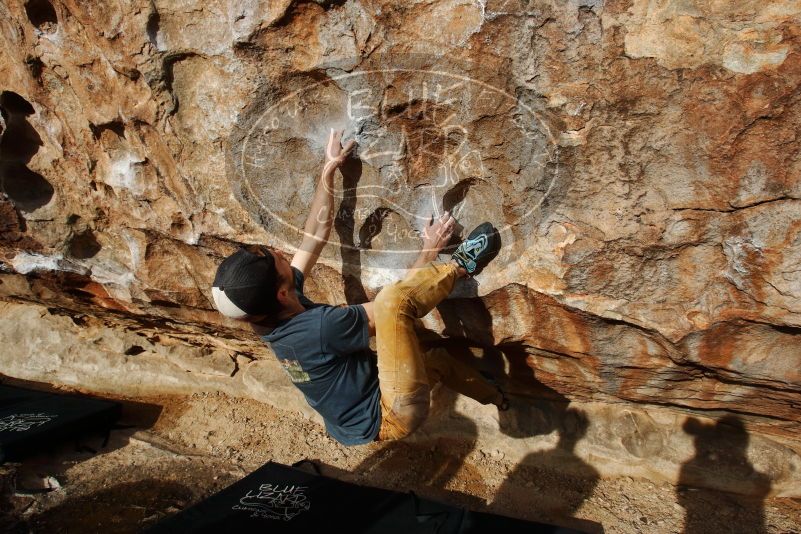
[[456, 195], [116, 127], [787, 329], [133, 350], [84, 245], [165, 303], [41, 13], [27, 189], [79, 320], [12, 103], [35, 66], [168, 66], [452, 201], [12, 223], [152, 27], [80, 293], [20, 142]]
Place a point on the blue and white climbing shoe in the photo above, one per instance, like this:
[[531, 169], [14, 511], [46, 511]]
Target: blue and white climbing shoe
[[480, 247]]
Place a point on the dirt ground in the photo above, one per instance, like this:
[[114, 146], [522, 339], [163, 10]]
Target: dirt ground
[[177, 451]]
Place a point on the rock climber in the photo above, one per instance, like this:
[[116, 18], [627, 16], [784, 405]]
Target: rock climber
[[325, 350]]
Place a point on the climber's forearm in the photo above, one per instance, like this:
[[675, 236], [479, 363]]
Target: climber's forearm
[[321, 214], [318, 223]]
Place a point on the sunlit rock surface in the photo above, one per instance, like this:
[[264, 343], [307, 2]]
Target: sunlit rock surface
[[640, 158]]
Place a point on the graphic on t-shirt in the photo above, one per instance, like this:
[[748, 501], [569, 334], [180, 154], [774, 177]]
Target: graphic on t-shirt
[[291, 365], [295, 371]]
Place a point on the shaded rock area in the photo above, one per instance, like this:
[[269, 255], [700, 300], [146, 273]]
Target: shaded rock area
[[176, 451], [640, 158]]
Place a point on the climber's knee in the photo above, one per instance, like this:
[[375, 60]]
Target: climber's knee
[[404, 413], [390, 301]]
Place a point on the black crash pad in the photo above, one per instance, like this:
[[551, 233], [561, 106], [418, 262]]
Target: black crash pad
[[31, 420], [281, 499]]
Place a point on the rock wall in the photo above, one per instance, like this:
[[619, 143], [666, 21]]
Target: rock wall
[[640, 158]]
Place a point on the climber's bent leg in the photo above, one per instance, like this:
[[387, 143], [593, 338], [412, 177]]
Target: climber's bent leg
[[405, 389], [458, 376]]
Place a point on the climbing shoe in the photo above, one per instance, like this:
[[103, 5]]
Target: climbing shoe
[[480, 247], [504, 404]]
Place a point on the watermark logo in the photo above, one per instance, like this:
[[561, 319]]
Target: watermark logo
[[275, 501], [430, 139], [22, 422]]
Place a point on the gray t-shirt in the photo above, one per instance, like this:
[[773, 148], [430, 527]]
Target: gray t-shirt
[[325, 350]]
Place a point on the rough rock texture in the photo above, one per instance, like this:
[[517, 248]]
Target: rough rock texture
[[641, 159]]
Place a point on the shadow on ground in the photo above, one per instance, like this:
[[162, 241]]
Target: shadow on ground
[[721, 456], [120, 508]]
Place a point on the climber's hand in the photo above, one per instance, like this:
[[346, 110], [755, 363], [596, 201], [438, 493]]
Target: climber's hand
[[438, 233], [335, 153]]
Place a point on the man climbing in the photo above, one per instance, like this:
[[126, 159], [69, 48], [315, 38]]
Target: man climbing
[[325, 349]]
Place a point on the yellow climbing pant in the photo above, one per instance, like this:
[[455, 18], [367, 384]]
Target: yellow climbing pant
[[406, 374]]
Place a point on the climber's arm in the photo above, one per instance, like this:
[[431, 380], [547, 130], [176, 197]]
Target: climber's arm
[[321, 215], [368, 307]]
